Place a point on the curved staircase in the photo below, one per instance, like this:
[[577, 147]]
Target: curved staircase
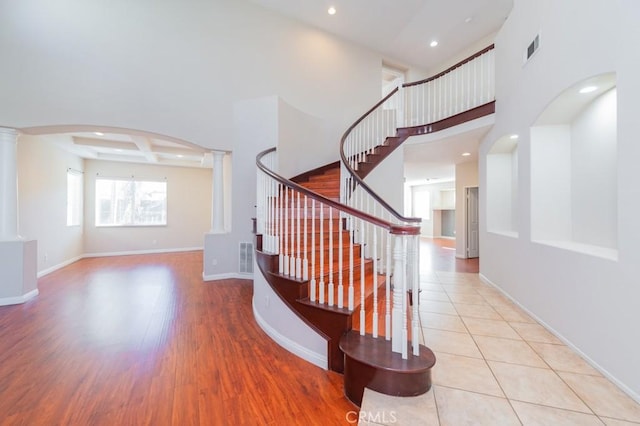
[[341, 258], [364, 360]]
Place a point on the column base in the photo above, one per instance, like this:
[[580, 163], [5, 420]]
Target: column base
[[18, 271]]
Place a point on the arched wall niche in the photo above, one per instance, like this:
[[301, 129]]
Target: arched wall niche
[[574, 203], [502, 186]]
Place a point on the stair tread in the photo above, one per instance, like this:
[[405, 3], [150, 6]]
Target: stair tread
[[377, 352]]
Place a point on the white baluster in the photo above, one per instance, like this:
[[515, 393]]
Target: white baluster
[[285, 224], [375, 284], [351, 266], [405, 334], [340, 255], [321, 283], [312, 283], [292, 257], [298, 265], [387, 311], [305, 262], [398, 285], [362, 285], [415, 291], [281, 257], [331, 285]]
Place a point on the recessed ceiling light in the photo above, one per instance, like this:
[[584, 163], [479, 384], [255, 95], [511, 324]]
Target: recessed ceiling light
[[179, 155], [118, 150], [466, 154], [467, 20], [513, 137], [331, 11], [588, 89], [98, 133], [434, 43]]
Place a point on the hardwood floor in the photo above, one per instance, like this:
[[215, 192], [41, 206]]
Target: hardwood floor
[[141, 340], [439, 254]]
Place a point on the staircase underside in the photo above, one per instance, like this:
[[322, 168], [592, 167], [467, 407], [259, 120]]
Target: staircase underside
[[391, 143]]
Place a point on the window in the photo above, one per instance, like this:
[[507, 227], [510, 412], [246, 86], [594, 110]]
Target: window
[[74, 197], [129, 202]]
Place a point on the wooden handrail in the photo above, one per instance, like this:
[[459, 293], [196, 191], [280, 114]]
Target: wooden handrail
[[392, 228], [451, 68], [355, 175]]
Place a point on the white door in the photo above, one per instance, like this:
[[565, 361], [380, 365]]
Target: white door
[[473, 244]]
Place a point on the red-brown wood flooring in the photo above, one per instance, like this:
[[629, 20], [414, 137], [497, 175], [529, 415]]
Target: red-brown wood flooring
[[142, 340]]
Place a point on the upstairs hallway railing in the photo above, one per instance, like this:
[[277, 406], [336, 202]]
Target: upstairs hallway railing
[[461, 93]]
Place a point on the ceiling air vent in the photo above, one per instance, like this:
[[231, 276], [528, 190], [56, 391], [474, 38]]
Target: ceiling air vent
[[532, 48]]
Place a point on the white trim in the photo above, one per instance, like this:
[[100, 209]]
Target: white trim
[[227, 276], [567, 342], [109, 254], [58, 266], [315, 358], [20, 299], [155, 251]]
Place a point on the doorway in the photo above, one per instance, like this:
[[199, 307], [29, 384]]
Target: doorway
[[472, 223]]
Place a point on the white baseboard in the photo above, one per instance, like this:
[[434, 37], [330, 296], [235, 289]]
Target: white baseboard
[[20, 299], [58, 266], [109, 254], [130, 252], [313, 357], [227, 276], [567, 342]]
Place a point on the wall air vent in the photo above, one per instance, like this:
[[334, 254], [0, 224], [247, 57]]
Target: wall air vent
[[532, 48], [245, 258]]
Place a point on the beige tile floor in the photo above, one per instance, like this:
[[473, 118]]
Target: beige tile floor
[[495, 365]]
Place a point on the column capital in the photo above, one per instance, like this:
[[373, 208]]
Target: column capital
[[8, 184], [218, 154]]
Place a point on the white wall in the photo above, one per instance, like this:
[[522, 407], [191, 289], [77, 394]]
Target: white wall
[[284, 326], [188, 209], [594, 180], [173, 68], [256, 124], [551, 183], [42, 196], [499, 192], [431, 227], [387, 180], [589, 301], [302, 142]]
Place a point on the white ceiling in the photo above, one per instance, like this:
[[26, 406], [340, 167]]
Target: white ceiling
[[135, 148], [432, 158], [402, 29], [402, 32]]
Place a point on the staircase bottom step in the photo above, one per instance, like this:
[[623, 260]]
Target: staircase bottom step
[[370, 363]]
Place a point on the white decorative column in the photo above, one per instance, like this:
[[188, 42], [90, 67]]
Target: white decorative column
[[8, 184], [18, 257], [217, 207]]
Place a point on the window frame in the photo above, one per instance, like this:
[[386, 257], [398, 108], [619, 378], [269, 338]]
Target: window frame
[[131, 201], [78, 206]]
